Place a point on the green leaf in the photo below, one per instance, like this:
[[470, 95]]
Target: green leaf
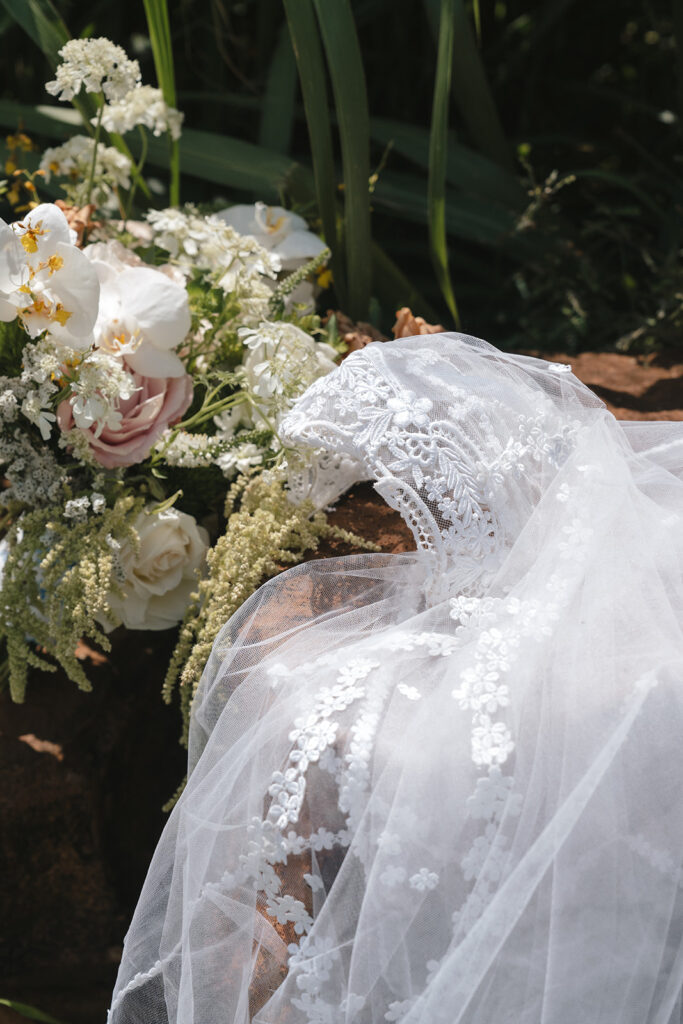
[[160, 38], [678, 33], [345, 65], [237, 164], [37, 120], [278, 104], [30, 1012], [41, 20], [471, 89], [465, 168], [308, 52], [467, 217], [438, 157], [394, 289], [476, 11]]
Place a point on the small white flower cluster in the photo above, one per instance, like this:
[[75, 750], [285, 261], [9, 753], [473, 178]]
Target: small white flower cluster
[[285, 235], [41, 366], [97, 65], [282, 361], [73, 160], [240, 459], [192, 451], [189, 451], [240, 262], [77, 508], [35, 477], [98, 382], [101, 67], [9, 405], [101, 383], [144, 106]]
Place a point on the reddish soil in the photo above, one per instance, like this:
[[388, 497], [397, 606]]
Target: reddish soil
[[83, 776], [633, 388]]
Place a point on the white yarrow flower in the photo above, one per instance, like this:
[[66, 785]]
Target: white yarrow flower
[[146, 106], [96, 65], [281, 363], [32, 408], [73, 160]]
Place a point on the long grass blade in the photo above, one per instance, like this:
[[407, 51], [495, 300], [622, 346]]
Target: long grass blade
[[394, 289], [238, 165], [159, 27], [466, 217], [42, 22], [678, 33], [309, 56], [206, 155], [438, 156], [465, 168], [279, 100], [340, 39], [471, 89], [29, 1012]]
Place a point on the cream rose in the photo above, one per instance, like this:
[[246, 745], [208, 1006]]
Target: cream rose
[[159, 577]]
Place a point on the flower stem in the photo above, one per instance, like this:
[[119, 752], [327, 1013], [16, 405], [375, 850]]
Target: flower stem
[[98, 129], [138, 169]]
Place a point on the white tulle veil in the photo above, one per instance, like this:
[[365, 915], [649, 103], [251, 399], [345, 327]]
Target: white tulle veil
[[442, 786]]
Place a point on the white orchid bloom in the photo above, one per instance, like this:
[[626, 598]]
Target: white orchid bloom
[[278, 230], [45, 280], [143, 316]]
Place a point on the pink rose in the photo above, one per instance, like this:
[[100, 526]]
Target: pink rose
[[160, 402]]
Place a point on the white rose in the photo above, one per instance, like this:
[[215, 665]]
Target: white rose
[[159, 578]]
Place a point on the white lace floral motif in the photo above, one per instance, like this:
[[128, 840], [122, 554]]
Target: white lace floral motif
[[427, 462]]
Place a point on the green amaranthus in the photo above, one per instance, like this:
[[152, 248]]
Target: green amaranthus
[[265, 533], [55, 585]]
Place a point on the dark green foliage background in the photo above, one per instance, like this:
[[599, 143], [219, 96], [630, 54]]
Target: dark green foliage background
[[580, 86]]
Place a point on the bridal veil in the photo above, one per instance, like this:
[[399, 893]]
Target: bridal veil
[[442, 787]]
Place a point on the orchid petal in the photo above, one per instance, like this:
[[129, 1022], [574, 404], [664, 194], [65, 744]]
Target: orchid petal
[[51, 228], [154, 362], [8, 310], [11, 259], [76, 286], [297, 248], [241, 218], [158, 306]]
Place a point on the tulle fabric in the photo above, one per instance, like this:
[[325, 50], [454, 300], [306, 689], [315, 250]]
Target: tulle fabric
[[454, 803]]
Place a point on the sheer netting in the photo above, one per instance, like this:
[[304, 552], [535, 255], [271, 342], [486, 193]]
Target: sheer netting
[[442, 787]]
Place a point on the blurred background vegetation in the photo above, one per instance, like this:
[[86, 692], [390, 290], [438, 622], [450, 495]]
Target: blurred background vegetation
[[524, 159]]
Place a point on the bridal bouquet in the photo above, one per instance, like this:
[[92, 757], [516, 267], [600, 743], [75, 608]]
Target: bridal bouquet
[[145, 368]]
